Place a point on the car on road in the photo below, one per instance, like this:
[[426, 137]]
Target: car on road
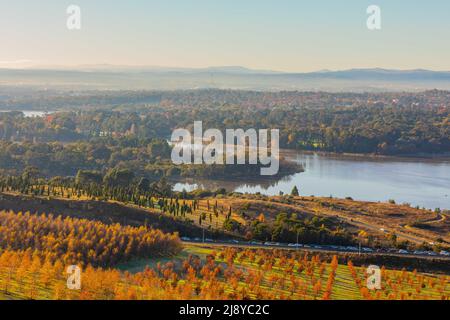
[[272, 244], [444, 253], [185, 239], [403, 251]]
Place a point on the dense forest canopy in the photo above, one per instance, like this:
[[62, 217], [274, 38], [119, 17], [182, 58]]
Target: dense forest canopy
[[388, 123]]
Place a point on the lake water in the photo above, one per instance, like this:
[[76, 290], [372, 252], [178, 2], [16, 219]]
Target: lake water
[[425, 183]]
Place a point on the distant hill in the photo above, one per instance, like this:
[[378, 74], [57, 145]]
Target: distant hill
[[228, 77]]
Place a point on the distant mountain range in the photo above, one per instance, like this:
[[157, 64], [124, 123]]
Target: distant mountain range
[[229, 77], [157, 69]]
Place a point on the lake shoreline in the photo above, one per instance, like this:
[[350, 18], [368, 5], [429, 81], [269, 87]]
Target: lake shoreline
[[444, 157]]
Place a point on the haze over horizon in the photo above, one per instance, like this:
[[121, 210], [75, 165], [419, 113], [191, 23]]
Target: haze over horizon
[[293, 36], [219, 68]]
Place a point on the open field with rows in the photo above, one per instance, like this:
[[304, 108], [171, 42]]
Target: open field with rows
[[204, 272]]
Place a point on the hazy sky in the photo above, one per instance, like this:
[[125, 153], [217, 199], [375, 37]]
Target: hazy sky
[[287, 35]]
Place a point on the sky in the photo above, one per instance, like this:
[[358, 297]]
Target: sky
[[282, 35]]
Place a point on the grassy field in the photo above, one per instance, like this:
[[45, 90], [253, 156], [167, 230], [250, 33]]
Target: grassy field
[[377, 219]]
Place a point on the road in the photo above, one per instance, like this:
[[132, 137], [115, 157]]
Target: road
[[325, 249]]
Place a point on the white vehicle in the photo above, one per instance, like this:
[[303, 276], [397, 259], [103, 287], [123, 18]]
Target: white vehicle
[[403, 251], [432, 253], [444, 253], [367, 249]]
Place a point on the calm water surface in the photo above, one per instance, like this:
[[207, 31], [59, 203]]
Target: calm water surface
[[425, 183]]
